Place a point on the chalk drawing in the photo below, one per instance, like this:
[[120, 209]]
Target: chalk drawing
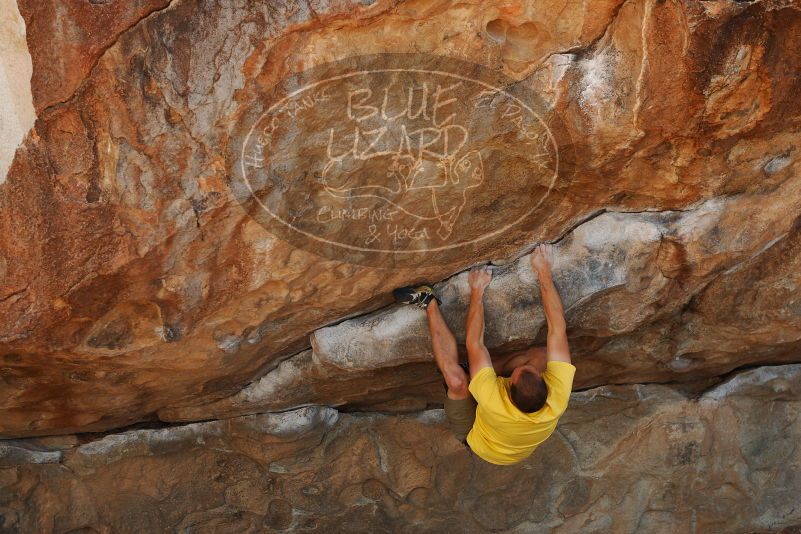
[[399, 159]]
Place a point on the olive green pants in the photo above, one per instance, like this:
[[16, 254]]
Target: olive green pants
[[460, 415]]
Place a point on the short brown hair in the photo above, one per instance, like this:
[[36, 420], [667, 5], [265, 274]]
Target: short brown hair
[[530, 392]]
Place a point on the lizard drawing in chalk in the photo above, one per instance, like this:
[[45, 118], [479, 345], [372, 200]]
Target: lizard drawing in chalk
[[428, 185]]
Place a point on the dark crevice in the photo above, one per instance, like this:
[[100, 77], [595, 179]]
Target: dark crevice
[[692, 390], [14, 294], [523, 252], [698, 387]]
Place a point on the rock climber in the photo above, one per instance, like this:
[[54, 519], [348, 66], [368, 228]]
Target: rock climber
[[501, 409]]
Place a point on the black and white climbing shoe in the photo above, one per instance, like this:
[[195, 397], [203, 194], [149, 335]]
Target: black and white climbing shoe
[[420, 296]]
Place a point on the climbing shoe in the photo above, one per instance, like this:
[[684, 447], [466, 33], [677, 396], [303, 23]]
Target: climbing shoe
[[420, 296]]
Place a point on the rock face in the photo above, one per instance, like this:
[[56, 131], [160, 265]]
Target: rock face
[[134, 286], [629, 278], [644, 458], [205, 222]]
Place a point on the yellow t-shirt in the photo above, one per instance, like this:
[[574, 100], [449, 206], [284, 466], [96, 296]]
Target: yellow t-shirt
[[501, 433]]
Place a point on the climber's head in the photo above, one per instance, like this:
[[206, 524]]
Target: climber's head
[[528, 389]]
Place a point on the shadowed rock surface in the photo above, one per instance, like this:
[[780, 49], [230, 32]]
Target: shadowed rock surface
[[630, 458]]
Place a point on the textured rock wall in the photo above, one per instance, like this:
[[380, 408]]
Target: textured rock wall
[[134, 287], [643, 294], [628, 458], [137, 287]]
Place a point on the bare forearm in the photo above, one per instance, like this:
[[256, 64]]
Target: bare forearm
[[477, 354], [557, 344], [551, 302], [475, 320]]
